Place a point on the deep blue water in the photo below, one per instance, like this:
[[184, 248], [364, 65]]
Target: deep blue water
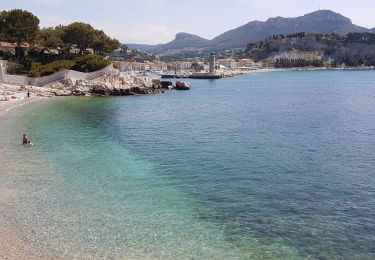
[[276, 165]]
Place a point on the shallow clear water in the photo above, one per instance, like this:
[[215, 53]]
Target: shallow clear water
[[265, 166]]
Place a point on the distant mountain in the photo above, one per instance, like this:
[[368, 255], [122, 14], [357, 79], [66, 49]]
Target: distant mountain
[[317, 22], [181, 41], [323, 21], [143, 47]]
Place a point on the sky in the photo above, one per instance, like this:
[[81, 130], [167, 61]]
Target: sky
[[157, 21]]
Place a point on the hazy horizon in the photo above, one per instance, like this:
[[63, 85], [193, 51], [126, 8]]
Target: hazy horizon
[[157, 21]]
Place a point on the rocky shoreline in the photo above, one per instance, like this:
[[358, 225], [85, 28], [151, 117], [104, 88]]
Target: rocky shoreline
[[125, 85]]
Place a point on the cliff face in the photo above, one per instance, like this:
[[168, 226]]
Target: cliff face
[[354, 49], [323, 21]]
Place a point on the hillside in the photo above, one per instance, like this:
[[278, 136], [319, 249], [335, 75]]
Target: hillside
[[323, 21], [306, 49], [182, 41], [317, 22]]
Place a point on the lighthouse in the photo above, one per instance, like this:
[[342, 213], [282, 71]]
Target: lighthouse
[[211, 72], [212, 63]]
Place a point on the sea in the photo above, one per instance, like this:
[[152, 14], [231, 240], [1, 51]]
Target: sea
[[268, 165]]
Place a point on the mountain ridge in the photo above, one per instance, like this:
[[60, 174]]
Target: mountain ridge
[[322, 21]]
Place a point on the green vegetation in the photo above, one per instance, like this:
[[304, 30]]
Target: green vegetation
[[354, 49], [51, 38], [38, 70], [124, 53], [88, 63], [49, 50], [297, 63], [18, 26]]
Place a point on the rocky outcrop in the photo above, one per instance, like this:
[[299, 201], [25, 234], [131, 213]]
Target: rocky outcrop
[[157, 83], [182, 85], [119, 87], [145, 91], [166, 85], [115, 85]]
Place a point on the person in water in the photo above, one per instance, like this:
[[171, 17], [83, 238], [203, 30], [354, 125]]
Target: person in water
[[25, 139]]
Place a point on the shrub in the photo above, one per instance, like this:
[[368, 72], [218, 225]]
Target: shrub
[[116, 65], [38, 70], [90, 63], [5, 55], [14, 68]]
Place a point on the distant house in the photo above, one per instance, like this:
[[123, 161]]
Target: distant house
[[183, 65], [75, 50], [11, 47], [54, 51], [227, 63], [8, 47], [245, 63]]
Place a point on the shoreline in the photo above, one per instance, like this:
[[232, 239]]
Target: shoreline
[[14, 242], [7, 106], [314, 69]]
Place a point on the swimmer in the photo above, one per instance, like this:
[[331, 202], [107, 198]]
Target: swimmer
[[26, 141]]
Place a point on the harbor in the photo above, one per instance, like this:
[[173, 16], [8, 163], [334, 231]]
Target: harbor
[[197, 69]]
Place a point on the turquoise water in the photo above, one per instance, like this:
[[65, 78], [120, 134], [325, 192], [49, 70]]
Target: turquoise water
[[264, 166]]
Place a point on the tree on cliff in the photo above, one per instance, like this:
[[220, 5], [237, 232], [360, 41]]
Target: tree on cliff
[[85, 36], [102, 43], [50, 37], [80, 34], [18, 26]]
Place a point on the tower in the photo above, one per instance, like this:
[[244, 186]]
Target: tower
[[212, 63]]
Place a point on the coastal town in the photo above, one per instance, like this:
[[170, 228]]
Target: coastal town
[[128, 78]]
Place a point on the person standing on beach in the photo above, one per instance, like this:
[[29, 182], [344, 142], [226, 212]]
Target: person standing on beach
[[28, 94]]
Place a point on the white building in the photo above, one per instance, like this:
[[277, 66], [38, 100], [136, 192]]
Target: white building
[[183, 65], [227, 63], [245, 63]]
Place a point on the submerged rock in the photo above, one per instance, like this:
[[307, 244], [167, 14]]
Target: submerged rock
[[145, 91]]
